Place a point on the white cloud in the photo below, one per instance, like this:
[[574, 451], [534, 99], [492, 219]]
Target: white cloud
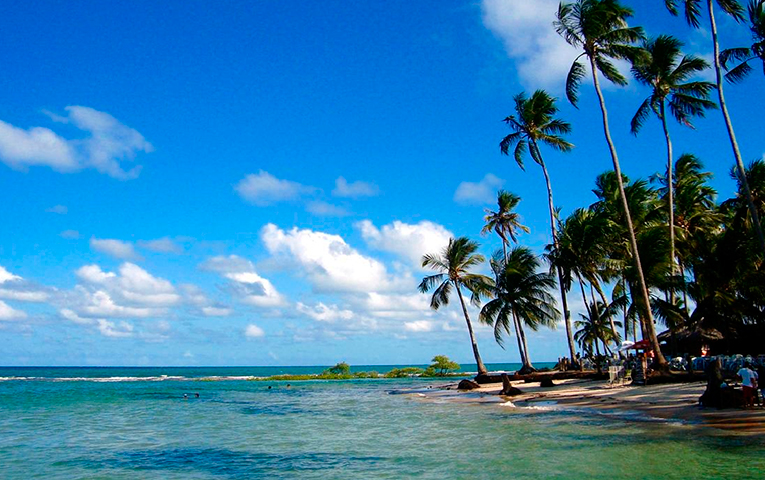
[[113, 329], [329, 262], [107, 144], [254, 331], [59, 209], [114, 248], [324, 209], [264, 189], [419, 326], [246, 284], [105, 327], [482, 192], [70, 234], [161, 245], [410, 241], [131, 293], [16, 288], [213, 311], [542, 57], [354, 189], [6, 276], [325, 313], [94, 274], [9, 313]]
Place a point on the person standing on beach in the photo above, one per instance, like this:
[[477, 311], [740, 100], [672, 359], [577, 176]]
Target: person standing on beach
[[749, 384]]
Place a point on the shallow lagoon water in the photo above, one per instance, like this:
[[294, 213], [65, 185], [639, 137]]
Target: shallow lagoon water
[[240, 429]]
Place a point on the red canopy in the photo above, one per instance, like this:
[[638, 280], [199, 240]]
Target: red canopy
[[641, 345]]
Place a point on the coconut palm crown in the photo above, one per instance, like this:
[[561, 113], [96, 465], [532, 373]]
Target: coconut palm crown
[[599, 28], [504, 222], [743, 55], [535, 122], [663, 70], [454, 264]]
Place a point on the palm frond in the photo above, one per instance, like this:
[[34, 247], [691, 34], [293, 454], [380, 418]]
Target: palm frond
[[573, 80]]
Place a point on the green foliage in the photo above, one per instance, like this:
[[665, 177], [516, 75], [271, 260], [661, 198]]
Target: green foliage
[[441, 365], [404, 372], [341, 368]]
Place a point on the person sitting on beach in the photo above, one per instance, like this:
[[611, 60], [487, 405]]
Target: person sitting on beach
[[749, 384]]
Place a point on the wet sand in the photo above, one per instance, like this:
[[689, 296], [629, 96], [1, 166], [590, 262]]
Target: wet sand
[[673, 402]]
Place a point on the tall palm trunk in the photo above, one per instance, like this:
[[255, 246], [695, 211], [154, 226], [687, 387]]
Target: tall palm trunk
[[731, 134], [527, 366], [563, 299], [479, 363], [670, 190], [520, 335], [633, 241]]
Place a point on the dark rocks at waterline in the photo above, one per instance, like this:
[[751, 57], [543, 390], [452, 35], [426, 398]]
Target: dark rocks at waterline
[[508, 389], [467, 385], [546, 383]]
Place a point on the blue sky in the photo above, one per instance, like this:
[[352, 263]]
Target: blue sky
[[252, 183]]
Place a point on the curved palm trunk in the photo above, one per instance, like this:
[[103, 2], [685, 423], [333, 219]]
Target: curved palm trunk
[[521, 349], [527, 366], [520, 335], [736, 153], [670, 190], [633, 241], [563, 299], [479, 363]]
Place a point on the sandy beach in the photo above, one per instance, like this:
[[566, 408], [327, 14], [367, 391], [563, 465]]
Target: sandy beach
[[674, 402]]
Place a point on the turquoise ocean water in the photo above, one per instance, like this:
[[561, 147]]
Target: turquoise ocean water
[[134, 423]]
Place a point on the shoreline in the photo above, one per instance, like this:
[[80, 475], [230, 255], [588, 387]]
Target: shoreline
[[675, 403]]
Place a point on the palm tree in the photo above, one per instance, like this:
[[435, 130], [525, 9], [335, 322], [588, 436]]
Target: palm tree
[[521, 294], [692, 16], [505, 222], [594, 327], [454, 264], [535, 123], [662, 69], [599, 27], [743, 55]]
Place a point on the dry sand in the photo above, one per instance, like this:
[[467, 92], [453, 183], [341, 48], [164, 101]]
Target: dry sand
[[677, 402]]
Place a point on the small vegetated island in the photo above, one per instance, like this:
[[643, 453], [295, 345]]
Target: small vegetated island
[[441, 366]]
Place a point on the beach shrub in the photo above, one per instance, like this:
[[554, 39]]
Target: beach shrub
[[341, 369], [440, 366], [404, 372]]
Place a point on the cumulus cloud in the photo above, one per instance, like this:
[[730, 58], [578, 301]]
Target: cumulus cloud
[[131, 293], [481, 192], [106, 146], [328, 261], [324, 209], [107, 328], [213, 311], [419, 326], [6, 276], [254, 331], [324, 313], [244, 281], [542, 57], [161, 245], [410, 241], [8, 313], [264, 189], [13, 287], [354, 189], [59, 209], [114, 248], [70, 234]]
